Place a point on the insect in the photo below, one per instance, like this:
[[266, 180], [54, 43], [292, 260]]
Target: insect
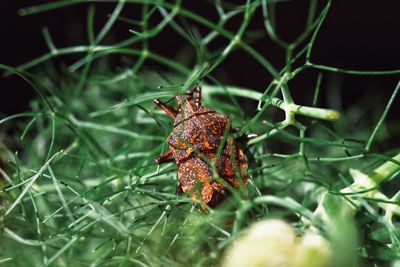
[[201, 143]]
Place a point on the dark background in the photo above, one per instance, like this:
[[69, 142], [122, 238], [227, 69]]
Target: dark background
[[357, 34]]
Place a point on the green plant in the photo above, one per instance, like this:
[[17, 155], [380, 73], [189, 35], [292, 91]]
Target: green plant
[[85, 190]]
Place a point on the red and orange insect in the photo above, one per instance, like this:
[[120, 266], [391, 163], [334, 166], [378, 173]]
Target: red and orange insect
[[202, 145]]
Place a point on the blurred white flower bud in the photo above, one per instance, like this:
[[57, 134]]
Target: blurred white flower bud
[[273, 243], [312, 251]]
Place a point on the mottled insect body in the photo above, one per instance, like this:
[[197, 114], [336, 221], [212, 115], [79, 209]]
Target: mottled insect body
[[204, 150]]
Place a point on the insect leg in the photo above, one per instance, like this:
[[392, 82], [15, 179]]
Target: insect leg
[[246, 137], [167, 109], [179, 190], [166, 157], [243, 138]]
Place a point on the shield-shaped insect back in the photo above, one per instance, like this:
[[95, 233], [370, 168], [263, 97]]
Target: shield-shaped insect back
[[210, 163]]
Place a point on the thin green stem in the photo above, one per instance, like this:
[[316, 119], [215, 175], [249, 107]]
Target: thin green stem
[[382, 118]]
